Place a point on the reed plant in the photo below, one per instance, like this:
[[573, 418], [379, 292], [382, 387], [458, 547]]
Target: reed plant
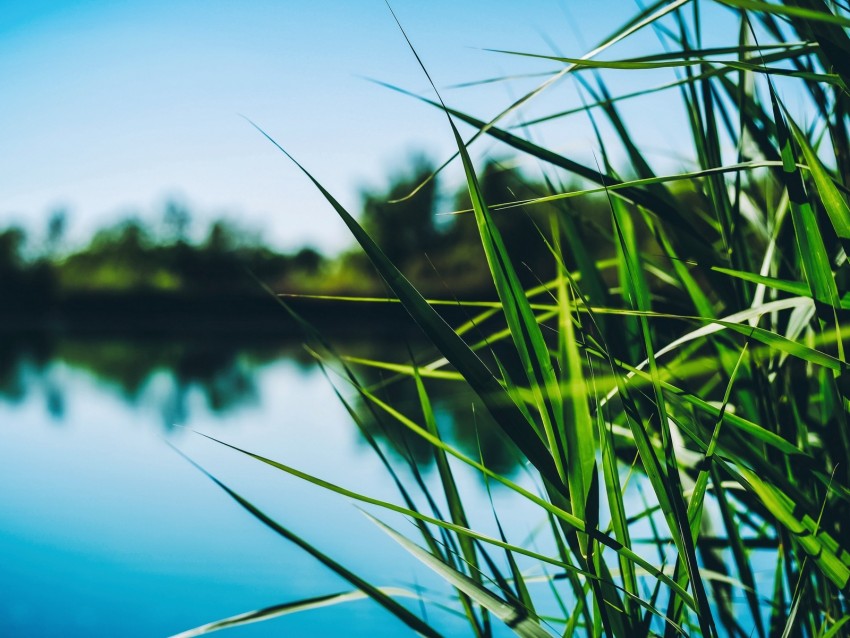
[[704, 358]]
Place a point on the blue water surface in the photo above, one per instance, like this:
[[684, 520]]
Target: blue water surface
[[105, 530]]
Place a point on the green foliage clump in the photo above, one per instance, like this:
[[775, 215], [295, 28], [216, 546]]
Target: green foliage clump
[[679, 397]]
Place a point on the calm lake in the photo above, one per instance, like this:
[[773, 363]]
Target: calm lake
[[106, 531]]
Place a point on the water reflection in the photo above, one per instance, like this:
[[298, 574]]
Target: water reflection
[[100, 520], [460, 417], [164, 371], [183, 379], [176, 375]]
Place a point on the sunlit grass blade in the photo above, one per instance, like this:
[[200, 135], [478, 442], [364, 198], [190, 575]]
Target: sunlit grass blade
[[667, 485], [614, 491], [577, 64], [797, 288], [525, 331], [817, 545], [455, 505], [834, 204], [581, 445], [815, 261], [285, 609], [789, 10], [614, 613], [516, 618], [836, 627]]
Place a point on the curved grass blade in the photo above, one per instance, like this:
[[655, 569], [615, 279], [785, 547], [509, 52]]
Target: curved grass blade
[[576, 64], [629, 193], [449, 343], [285, 609], [789, 10], [515, 617], [833, 561], [646, 17], [456, 509], [834, 204], [735, 319], [718, 72], [561, 514], [391, 605]]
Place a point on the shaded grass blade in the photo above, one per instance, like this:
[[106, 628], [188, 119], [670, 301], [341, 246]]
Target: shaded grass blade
[[450, 344]]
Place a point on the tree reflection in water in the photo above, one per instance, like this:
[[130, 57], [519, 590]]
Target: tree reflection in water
[[174, 375], [222, 372]]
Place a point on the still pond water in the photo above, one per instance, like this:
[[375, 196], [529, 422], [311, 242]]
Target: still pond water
[[106, 531]]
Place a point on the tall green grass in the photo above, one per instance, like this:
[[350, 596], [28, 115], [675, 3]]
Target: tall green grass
[[704, 364]]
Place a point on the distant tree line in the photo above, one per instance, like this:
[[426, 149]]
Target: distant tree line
[[440, 253]]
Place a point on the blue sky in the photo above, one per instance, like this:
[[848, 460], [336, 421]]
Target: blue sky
[[110, 107]]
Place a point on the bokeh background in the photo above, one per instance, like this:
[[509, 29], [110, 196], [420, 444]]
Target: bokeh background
[[138, 209]]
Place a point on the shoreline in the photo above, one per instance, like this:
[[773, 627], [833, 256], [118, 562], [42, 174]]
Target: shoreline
[[226, 315]]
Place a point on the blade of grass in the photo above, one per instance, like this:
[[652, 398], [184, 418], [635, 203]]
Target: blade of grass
[[456, 509], [513, 616], [667, 477], [450, 344], [543, 504], [284, 609], [576, 64], [386, 601], [789, 10], [834, 204]]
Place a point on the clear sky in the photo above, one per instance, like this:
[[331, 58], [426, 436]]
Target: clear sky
[[115, 106]]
